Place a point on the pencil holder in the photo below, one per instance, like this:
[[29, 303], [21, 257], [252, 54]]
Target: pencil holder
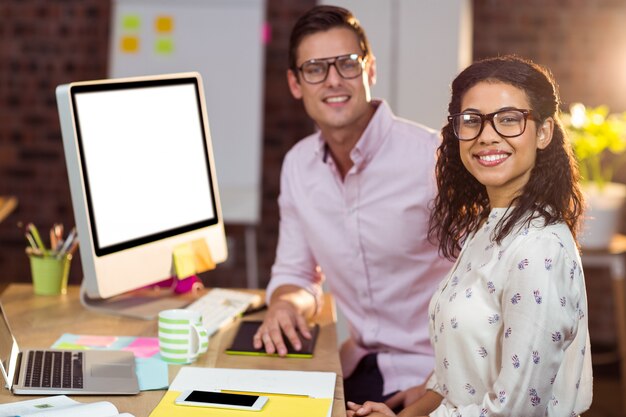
[[50, 274]]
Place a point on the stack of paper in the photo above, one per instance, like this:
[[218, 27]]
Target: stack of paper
[[290, 393]]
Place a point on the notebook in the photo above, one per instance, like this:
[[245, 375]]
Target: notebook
[[242, 344], [55, 371]]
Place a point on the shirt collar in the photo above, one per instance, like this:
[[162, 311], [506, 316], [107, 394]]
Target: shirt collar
[[371, 140]]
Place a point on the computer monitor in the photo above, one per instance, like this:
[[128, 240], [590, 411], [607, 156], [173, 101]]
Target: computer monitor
[[142, 180]]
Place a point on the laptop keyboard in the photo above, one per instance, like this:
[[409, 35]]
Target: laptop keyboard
[[54, 369]]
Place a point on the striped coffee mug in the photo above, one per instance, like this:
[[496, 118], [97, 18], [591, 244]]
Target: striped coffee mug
[[181, 335]]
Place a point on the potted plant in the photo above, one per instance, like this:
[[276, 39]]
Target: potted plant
[[599, 143]]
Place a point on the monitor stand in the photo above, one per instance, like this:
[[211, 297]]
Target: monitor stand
[[143, 304]]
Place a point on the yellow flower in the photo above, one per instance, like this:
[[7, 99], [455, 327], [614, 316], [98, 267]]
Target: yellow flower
[[594, 135]]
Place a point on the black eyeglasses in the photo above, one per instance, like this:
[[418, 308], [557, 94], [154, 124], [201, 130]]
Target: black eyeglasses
[[508, 123], [315, 71]]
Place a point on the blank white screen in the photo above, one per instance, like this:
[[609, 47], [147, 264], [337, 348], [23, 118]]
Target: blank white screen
[[146, 163]]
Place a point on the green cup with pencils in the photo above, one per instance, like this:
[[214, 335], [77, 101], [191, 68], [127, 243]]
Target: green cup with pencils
[[50, 266], [50, 274]]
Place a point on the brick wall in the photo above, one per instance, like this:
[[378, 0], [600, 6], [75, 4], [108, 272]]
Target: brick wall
[[44, 43]]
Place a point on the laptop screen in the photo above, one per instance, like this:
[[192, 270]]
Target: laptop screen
[[8, 349]]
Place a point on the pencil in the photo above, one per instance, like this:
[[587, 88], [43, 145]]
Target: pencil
[[53, 239], [58, 231], [35, 233], [31, 241]]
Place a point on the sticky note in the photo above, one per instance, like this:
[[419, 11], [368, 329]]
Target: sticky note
[[129, 44], [70, 346], [164, 24], [144, 347], [184, 261], [131, 22], [266, 33], [99, 341], [202, 256], [152, 373], [164, 46]]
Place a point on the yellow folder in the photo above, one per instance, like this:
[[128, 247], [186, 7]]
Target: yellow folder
[[277, 406]]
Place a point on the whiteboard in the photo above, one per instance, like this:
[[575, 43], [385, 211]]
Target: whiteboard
[[223, 40]]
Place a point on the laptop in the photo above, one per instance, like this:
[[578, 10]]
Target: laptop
[[70, 372]]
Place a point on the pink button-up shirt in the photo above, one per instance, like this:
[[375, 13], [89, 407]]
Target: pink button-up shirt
[[367, 236]]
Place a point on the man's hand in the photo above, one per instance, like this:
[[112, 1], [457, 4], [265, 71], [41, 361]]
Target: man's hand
[[282, 317], [407, 397], [370, 409]]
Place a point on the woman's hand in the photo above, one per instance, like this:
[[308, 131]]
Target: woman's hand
[[370, 409]]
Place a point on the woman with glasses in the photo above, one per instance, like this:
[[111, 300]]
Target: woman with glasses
[[509, 323]]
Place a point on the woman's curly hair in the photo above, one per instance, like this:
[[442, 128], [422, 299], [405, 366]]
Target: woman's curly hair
[[552, 192]]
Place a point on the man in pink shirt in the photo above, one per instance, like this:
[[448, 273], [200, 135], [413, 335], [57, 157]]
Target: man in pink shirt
[[354, 209]]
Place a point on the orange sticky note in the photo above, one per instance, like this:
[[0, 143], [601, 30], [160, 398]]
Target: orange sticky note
[[129, 44], [164, 24], [202, 256]]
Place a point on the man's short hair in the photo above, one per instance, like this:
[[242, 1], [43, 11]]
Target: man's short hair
[[321, 19]]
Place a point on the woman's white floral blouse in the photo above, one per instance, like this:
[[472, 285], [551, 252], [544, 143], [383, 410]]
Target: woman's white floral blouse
[[509, 326]]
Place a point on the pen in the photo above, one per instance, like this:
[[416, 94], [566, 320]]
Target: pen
[[72, 248], [35, 233], [67, 243]]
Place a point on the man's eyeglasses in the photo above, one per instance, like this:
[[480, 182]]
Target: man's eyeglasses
[[508, 123], [315, 71]]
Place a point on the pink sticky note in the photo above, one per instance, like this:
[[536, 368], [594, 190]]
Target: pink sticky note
[[266, 33], [144, 347], [99, 341]]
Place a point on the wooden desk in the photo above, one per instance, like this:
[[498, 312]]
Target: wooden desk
[[614, 258], [38, 321]]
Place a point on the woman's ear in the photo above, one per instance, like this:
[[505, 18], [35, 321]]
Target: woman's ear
[[544, 133]]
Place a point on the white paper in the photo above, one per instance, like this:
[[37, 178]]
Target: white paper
[[59, 406], [312, 384], [33, 406]]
